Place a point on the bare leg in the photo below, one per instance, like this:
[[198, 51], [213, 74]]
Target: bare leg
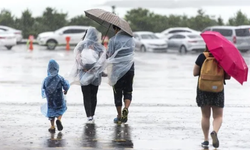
[[59, 117], [205, 121], [127, 103], [119, 111], [52, 122], [217, 115]]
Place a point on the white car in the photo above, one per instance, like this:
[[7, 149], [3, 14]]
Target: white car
[[159, 35], [185, 42], [170, 31], [7, 39], [17, 33], [148, 41], [58, 37]]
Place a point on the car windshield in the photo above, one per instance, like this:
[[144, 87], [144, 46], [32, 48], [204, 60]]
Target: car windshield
[[149, 36], [242, 32], [193, 36]]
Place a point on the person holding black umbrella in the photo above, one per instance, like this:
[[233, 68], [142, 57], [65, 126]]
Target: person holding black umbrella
[[120, 59], [121, 71]]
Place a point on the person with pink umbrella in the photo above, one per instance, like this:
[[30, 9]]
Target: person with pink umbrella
[[228, 62], [209, 100]]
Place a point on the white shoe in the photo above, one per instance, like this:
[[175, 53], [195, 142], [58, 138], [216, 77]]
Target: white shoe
[[90, 120]]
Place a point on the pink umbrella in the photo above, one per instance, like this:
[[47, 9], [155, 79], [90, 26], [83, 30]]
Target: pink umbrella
[[227, 55]]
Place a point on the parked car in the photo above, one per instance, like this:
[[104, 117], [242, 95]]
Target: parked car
[[159, 35], [148, 41], [17, 33], [170, 31], [184, 42], [7, 39], [239, 36], [58, 37]]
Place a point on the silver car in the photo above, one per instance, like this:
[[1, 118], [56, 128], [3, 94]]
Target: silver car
[[148, 41], [171, 31], [239, 36], [184, 42]]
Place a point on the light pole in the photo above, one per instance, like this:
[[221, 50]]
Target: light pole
[[113, 9]]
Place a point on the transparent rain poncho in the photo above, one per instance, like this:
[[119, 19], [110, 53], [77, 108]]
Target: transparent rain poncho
[[90, 57], [52, 89], [120, 56]]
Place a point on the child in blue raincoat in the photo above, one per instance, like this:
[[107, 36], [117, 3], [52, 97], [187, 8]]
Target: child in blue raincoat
[[52, 89]]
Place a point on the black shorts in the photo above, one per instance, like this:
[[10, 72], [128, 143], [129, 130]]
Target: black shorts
[[124, 87]]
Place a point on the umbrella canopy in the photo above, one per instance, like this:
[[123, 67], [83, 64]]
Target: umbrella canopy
[[106, 19], [227, 55]]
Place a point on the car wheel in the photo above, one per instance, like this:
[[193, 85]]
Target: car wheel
[[9, 47], [143, 48], [183, 50], [51, 44]]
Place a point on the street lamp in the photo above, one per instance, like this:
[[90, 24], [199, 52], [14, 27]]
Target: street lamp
[[113, 9]]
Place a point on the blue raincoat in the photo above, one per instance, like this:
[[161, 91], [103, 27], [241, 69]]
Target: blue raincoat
[[52, 90]]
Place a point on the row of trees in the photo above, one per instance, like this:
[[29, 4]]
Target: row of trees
[[139, 19]]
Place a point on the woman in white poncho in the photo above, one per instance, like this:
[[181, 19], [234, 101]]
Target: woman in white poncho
[[90, 57]]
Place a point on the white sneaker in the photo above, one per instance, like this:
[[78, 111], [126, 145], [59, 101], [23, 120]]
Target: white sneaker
[[90, 120]]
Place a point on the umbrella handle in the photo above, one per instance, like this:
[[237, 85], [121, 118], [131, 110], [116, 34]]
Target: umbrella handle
[[106, 34]]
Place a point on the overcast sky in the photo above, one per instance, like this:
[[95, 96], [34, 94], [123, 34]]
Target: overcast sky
[[165, 7]]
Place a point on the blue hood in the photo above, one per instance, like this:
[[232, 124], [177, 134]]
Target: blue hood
[[53, 68]]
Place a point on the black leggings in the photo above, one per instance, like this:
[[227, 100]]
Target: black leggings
[[89, 93]]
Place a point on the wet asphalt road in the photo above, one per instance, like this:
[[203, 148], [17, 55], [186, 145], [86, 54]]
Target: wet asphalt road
[[163, 114]]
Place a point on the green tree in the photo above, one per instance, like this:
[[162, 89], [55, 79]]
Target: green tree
[[53, 20], [139, 19], [6, 18], [201, 21], [143, 20], [38, 26], [185, 21], [158, 23], [173, 21], [238, 19], [220, 21], [82, 20], [26, 23]]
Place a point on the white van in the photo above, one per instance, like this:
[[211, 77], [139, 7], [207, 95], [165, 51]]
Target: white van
[[239, 36]]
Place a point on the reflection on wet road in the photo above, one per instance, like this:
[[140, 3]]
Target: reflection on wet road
[[163, 114], [122, 137], [57, 141], [89, 138]]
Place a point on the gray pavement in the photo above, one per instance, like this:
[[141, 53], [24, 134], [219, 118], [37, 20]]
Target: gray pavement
[[163, 114]]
